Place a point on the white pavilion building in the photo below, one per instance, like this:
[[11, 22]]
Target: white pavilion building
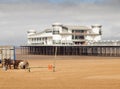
[[59, 34]]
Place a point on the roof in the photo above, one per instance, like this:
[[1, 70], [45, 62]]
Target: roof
[[71, 27], [77, 27], [57, 24], [48, 29], [96, 25]]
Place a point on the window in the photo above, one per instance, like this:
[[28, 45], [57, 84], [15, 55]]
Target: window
[[45, 38], [77, 37], [81, 37], [100, 32], [72, 36], [56, 41], [32, 39], [77, 31], [55, 32], [39, 38]]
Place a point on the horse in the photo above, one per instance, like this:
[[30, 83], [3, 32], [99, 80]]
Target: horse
[[6, 63], [16, 63], [23, 64]]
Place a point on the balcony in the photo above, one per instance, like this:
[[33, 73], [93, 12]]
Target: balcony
[[78, 40], [80, 34]]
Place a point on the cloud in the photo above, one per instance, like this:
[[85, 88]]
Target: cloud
[[18, 16]]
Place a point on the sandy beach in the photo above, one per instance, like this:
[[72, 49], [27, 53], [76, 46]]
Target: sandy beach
[[72, 72]]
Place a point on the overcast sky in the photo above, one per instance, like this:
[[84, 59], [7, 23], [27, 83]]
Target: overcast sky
[[18, 16]]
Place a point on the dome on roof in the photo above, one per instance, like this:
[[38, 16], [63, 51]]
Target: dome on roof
[[31, 31], [56, 24], [96, 25]]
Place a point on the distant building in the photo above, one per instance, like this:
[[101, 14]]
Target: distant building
[[60, 34]]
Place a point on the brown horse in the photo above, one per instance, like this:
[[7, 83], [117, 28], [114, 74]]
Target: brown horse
[[16, 63], [6, 63]]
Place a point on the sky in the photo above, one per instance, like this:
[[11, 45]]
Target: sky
[[19, 16]]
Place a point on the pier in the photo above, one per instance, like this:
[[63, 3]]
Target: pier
[[72, 50]]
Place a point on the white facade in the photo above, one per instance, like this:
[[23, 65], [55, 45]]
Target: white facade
[[65, 35]]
